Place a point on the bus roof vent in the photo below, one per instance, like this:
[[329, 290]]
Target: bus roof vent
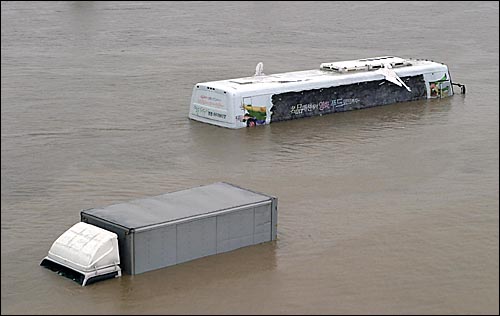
[[365, 64]]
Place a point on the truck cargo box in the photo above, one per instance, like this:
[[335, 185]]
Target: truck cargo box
[[168, 229]]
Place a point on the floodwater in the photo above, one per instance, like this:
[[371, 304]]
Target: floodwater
[[385, 210]]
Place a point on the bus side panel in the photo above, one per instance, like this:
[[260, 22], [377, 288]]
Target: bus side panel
[[298, 104], [253, 110]]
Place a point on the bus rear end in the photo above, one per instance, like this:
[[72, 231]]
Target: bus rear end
[[212, 105]]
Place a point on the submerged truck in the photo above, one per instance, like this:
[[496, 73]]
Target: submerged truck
[[156, 232], [334, 87]]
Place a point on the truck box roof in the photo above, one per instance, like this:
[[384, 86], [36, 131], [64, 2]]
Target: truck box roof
[[177, 205]]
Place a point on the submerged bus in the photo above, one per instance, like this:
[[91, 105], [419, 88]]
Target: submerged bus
[[334, 87]]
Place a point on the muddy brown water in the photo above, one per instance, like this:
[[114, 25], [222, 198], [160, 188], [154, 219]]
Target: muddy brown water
[[385, 210]]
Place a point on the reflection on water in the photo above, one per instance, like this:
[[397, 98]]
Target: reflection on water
[[381, 210]]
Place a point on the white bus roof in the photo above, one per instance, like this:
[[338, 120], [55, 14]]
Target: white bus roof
[[329, 74]]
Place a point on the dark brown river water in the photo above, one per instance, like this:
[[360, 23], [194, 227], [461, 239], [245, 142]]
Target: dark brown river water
[[389, 210]]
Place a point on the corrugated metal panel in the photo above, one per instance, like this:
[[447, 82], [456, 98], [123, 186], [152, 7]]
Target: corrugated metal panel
[[262, 224], [196, 239], [155, 249], [274, 219], [235, 230]]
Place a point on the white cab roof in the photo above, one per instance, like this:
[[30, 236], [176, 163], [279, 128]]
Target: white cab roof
[[85, 247]]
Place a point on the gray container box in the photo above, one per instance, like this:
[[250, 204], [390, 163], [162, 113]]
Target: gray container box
[[168, 229]]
